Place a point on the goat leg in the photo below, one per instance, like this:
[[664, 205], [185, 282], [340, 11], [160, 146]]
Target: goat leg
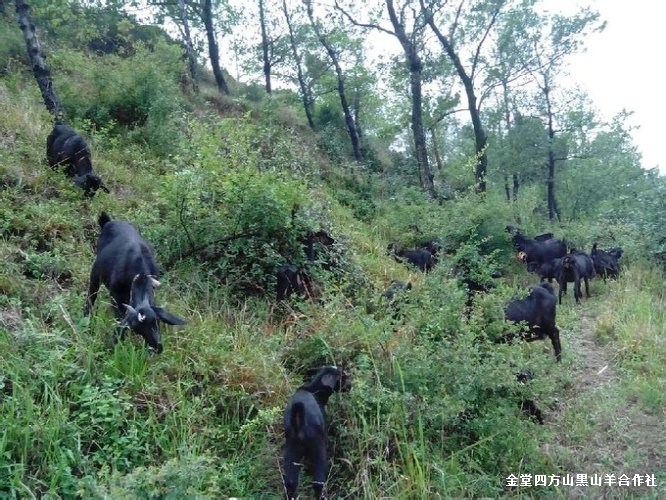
[[320, 466], [292, 467]]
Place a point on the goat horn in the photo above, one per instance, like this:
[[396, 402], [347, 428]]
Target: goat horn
[[154, 281], [130, 309]]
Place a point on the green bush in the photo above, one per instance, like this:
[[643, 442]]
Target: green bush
[[139, 93]]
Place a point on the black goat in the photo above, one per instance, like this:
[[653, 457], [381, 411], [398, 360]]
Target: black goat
[[544, 237], [538, 311], [606, 261], [547, 270], [64, 146], [306, 430], [574, 267], [419, 257], [126, 266], [293, 279], [538, 251]]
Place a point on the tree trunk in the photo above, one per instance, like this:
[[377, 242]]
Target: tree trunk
[[415, 67], [306, 98], [38, 61], [265, 47], [480, 137], [357, 113], [189, 48], [417, 125], [213, 51], [435, 149], [550, 182], [349, 120], [507, 122]]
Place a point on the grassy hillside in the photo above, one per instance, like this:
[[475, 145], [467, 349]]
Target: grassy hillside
[[211, 183]]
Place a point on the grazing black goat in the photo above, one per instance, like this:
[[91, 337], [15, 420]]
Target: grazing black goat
[[538, 251], [64, 146], [606, 261], [126, 266], [538, 311], [419, 257], [573, 268], [306, 430], [293, 279]]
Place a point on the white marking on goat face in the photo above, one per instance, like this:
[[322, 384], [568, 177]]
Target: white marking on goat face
[[141, 317]]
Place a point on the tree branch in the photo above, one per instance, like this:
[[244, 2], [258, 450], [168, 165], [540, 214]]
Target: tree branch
[[477, 54], [362, 25]]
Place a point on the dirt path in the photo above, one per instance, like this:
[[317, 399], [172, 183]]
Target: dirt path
[[598, 426]]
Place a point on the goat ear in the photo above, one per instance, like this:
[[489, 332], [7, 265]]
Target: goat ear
[[167, 317], [311, 372]]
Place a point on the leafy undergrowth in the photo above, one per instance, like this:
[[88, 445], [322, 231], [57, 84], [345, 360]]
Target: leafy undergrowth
[[434, 409]]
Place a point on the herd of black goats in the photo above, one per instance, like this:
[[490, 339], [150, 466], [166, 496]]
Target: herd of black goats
[[125, 264]]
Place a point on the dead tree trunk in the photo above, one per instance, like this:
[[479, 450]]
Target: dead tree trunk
[[38, 61], [213, 51]]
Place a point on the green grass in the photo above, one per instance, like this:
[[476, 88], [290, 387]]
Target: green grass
[[434, 407]]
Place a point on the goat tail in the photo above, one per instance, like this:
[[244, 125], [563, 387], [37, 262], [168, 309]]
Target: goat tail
[[297, 421], [103, 219]]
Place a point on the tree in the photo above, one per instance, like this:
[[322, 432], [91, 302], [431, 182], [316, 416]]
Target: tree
[[272, 52], [37, 60], [335, 60], [553, 39], [304, 88], [213, 51], [203, 14], [189, 47], [410, 37], [481, 20]]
